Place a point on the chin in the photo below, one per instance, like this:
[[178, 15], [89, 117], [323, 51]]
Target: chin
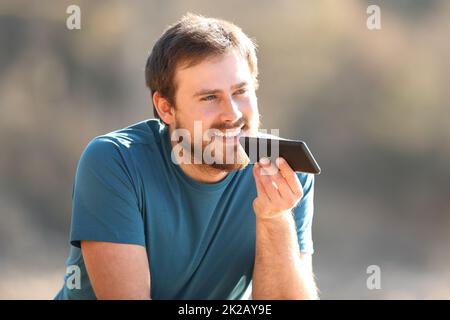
[[241, 163], [228, 166], [240, 160]]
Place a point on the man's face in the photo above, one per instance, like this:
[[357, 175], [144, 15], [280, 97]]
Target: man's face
[[219, 92]]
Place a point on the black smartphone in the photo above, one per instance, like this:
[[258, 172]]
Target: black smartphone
[[295, 152]]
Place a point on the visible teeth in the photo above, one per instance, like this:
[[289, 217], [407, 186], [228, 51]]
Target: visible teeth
[[228, 134]]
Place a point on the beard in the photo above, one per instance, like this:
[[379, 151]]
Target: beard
[[232, 157], [213, 154]]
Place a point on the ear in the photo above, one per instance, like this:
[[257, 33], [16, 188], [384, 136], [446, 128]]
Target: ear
[[165, 111]]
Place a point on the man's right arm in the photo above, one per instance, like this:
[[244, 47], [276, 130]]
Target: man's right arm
[[116, 270]]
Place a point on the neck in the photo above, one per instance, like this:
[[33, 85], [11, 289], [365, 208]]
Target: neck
[[203, 173]]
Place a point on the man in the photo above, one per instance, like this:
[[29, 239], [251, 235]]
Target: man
[[147, 227]]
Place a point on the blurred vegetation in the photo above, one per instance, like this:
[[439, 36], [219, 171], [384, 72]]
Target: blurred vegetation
[[372, 105]]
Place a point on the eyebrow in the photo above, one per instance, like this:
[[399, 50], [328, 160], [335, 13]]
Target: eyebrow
[[213, 91]]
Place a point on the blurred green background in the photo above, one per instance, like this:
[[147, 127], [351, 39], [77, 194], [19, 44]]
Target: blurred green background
[[372, 105]]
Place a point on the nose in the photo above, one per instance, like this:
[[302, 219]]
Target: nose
[[230, 111]]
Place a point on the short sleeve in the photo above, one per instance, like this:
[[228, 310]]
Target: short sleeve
[[303, 213], [104, 200]]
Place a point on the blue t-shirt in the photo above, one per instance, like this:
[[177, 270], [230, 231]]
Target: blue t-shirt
[[200, 238]]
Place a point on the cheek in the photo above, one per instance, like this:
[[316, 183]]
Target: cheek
[[250, 107], [193, 111], [251, 112], [206, 116]]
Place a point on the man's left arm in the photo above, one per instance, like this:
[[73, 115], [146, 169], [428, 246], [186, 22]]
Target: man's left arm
[[281, 271]]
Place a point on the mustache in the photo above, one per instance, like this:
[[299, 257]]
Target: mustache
[[223, 126]]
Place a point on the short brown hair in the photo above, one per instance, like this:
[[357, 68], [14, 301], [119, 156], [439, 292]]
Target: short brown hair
[[191, 40]]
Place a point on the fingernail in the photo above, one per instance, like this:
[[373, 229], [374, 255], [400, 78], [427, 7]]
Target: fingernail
[[264, 161]]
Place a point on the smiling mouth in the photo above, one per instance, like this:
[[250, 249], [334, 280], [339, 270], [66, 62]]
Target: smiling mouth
[[229, 135]]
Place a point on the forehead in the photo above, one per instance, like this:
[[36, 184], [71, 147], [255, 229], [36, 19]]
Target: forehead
[[217, 72]]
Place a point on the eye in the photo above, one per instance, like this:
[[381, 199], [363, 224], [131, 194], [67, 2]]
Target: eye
[[208, 98], [241, 91]]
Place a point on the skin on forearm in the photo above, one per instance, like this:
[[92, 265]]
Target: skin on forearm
[[117, 271], [279, 272]]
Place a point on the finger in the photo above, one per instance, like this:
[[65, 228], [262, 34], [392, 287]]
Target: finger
[[267, 183], [264, 162], [286, 195], [270, 168], [290, 176], [282, 185], [259, 187]]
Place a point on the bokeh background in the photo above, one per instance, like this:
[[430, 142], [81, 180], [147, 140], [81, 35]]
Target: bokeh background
[[372, 105]]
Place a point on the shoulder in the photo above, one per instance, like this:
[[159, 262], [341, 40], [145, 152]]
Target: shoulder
[[143, 132], [103, 149], [121, 143]]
